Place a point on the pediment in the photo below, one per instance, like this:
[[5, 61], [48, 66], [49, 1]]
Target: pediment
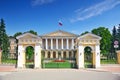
[[90, 36], [27, 36], [60, 33]]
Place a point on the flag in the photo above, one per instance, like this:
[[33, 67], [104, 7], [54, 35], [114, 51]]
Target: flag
[[60, 23]]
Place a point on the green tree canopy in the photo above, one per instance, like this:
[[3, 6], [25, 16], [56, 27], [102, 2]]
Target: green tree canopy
[[29, 52], [20, 33], [84, 33], [4, 40], [118, 35], [33, 32], [17, 34], [105, 43]]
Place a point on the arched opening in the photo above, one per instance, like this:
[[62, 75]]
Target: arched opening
[[29, 57], [64, 55], [70, 55], [54, 54], [88, 57]]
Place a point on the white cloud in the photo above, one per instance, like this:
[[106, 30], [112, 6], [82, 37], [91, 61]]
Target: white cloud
[[94, 10], [41, 2]]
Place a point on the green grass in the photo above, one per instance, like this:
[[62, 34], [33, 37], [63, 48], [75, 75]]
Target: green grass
[[9, 61], [108, 62], [65, 64]]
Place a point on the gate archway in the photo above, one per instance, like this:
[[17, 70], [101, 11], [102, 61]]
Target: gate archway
[[93, 41], [29, 56], [24, 41], [88, 57]]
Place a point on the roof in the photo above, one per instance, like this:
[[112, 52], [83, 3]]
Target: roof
[[27, 34], [90, 35], [60, 33]]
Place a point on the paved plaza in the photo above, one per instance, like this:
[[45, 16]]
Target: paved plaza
[[104, 73]]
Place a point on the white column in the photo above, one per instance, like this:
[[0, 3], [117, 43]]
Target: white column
[[37, 56], [97, 55], [46, 43], [72, 43], [67, 44], [80, 56], [51, 43], [56, 43], [20, 62], [62, 43]]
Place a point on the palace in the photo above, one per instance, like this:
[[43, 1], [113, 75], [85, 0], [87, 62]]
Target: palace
[[58, 45]]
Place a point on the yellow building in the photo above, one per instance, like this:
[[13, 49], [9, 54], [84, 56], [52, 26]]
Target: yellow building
[[13, 47], [59, 45]]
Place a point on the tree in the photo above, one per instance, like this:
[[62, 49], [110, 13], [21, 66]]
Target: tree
[[4, 40], [114, 33], [84, 33], [33, 32], [29, 52], [105, 43], [118, 35], [17, 34], [114, 38]]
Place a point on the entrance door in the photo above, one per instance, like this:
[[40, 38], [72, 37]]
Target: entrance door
[[88, 57]]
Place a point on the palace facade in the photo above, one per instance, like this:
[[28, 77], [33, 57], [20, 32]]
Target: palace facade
[[59, 45]]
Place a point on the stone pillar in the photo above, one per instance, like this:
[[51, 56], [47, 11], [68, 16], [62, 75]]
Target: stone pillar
[[67, 44], [72, 43], [80, 57], [93, 58], [97, 56], [51, 54], [62, 43], [51, 43], [20, 61], [46, 55], [46, 43], [37, 56], [61, 54], [24, 59], [67, 54], [72, 54], [56, 54], [56, 43], [0, 55], [118, 56]]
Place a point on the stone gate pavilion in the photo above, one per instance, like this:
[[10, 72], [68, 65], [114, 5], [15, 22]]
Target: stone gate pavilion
[[59, 43]]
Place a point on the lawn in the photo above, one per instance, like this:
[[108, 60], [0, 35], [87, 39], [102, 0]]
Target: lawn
[[52, 64], [108, 61], [9, 61]]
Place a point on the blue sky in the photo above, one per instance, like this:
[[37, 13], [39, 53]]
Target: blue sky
[[42, 16]]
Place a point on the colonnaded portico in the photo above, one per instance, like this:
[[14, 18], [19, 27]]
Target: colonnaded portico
[[58, 45]]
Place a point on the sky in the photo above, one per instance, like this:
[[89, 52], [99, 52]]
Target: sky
[[42, 16]]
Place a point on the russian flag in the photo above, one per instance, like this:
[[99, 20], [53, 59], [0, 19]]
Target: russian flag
[[60, 23]]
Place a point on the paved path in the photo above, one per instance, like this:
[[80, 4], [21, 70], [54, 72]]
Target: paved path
[[111, 67], [60, 74], [7, 68], [106, 72]]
